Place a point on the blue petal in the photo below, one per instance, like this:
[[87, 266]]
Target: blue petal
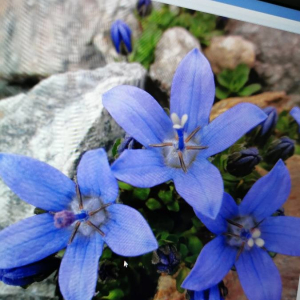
[[27, 274], [281, 235], [36, 182], [95, 177], [31, 240], [127, 233], [258, 275], [201, 187], [295, 113], [115, 36], [268, 193], [213, 263], [193, 90], [141, 168], [228, 210], [126, 36], [199, 296], [227, 128], [214, 293], [78, 272], [139, 114]]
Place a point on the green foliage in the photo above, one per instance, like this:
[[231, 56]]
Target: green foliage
[[201, 25], [232, 82], [153, 204], [183, 273], [141, 194], [115, 147]]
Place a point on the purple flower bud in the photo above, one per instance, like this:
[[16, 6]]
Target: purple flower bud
[[30, 273], [144, 8], [282, 148], [269, 124], [129, 143], [242, 163], [166, 258], [121, 37]]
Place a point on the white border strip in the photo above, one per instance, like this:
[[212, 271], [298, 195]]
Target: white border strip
[[238, 13]]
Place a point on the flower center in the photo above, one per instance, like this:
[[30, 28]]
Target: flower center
[[85, 215], [177, 152], [243, 232]]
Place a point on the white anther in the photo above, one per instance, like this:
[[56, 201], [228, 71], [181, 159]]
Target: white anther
[[184, 118], [175, 119], [256, 233], [250, 242], [177, 126], [260, 242]]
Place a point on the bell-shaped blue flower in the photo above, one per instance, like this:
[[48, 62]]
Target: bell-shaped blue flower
[[244, 235], [144, 7], [121, 37], [80, 216], [178, 147], [213, 293], [30, 273], [295, 113]]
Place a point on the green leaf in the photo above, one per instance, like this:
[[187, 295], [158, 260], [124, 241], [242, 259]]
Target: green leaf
[[115, 147], [182, 274], [197, 223], [249, 90], [141, 194], [194, 245], [115, 294], [183, 250], [106, 254], [153, 204], [191, 259], [125, 186], [173, 206], [166, 196], [222, 93], [239, 78], [224, 78]]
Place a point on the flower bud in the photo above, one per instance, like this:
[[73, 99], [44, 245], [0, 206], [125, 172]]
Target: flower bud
[[282, 148], [242, 163], [144, 7], [166, 258], [129, 143], [270, 123], [121, 37], [30, 273]]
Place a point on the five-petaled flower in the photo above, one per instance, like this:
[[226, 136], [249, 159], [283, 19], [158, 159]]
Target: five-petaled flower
[[81, 216], [178, 147], [244, 235]]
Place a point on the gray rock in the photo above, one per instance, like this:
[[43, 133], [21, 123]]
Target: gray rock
[[45, 37], [228, 52], [278, 55], [174, 44], [56, 122]]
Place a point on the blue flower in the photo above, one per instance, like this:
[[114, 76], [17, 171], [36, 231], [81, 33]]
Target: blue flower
[[144, 7], [295, 113], [81, 217], [210, 294], [30, 273], [269, 124], [178, 148], [121, 37], [244, 233]]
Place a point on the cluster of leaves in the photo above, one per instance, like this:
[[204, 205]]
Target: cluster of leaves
[[233, 83], [201, 25]]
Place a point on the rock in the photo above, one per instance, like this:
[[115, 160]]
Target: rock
[[56, 122], [174, 44], [167, 289], [228, 52], [278, 55], [288, 266], [277, 99], [42, 37]]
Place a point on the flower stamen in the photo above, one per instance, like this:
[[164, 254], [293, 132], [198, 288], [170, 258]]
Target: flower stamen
[[161, 145], [196, 147], [99, 209], [96, 228], [192, 134], [74, 232], [182, 164], [79, 197], [235, 224]]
